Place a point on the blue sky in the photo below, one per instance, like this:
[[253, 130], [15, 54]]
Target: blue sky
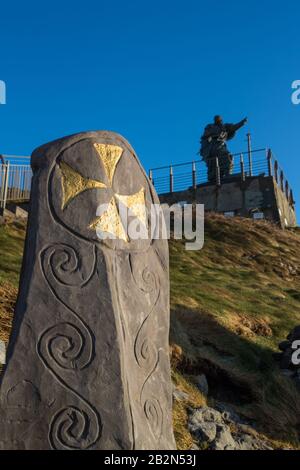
[[154, 71]]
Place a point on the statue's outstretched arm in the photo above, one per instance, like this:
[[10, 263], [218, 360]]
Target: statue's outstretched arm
[[233, 128], [236, 127]]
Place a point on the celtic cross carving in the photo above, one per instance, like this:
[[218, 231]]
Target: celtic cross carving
[[73, 183]]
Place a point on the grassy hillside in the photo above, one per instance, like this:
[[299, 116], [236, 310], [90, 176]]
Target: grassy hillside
[[231, 304], [11, 249]]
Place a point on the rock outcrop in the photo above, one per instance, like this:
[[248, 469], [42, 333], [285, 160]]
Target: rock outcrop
[[223, 429]]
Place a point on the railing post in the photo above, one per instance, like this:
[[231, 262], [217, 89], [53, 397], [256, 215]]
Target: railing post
[[5, 177], [1, 182], [218, 175], [25, 184], [242, 167], [281, 181], [249, 153], [171, 180], [292, 202], [269, 158], [287, 189], [276, 171], [15, 183], [194, 175]]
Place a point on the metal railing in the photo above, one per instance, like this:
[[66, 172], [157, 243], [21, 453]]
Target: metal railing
[[16, 174], [15, 159], [15, 180], [190, 175]]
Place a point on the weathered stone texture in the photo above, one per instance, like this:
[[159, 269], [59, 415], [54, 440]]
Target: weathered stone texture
[[87, 364]]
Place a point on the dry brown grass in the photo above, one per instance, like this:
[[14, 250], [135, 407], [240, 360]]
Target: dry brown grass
[[258, 392], [184, 439], [231, 304], [247, 326], [8, 295]]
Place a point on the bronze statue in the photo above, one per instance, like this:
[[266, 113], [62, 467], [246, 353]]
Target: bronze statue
[[213, 145]]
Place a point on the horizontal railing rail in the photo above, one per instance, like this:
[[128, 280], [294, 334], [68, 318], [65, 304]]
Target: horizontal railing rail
[[190, 175], [15, 159], [16, 174], [181, 176]]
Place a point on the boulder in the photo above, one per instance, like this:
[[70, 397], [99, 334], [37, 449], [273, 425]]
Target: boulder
[[224, 431]]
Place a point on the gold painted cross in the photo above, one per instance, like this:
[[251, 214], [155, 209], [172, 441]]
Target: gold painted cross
[[73, 184]]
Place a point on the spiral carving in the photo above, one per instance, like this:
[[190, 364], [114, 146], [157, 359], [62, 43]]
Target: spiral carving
[[146, 280], [64, 264], [71, 429], [144, 348], [68, 345], [154, 415]]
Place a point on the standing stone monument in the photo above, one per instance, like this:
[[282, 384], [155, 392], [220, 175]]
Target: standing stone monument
[[87, 363]]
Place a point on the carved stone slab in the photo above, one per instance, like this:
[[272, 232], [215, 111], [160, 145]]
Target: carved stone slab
[[87, 363]]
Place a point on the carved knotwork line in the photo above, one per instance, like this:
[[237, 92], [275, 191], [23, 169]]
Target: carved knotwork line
[[146, 353]]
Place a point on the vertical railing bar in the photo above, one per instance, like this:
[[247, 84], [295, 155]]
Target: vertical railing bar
[[171, 180], [292, 202], [6, 185], [269, 160], [242, 167], [2, 185], [249, 153], [22, 183], [218, 175], [287, 189], [276, 171], [17, 183], [194, 176], [281, 180]]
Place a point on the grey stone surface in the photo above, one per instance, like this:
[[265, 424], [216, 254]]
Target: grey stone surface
[[88, 362], [202, 384], [195, 447], [228, 413], [179, 395], [206, 432], [206, 414], [224, 439], [259, 192], [248, 442], [2, 352], [18, 209], [223, 431]]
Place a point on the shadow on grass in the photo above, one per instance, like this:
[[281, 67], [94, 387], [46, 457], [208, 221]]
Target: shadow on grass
[[239, 372]]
